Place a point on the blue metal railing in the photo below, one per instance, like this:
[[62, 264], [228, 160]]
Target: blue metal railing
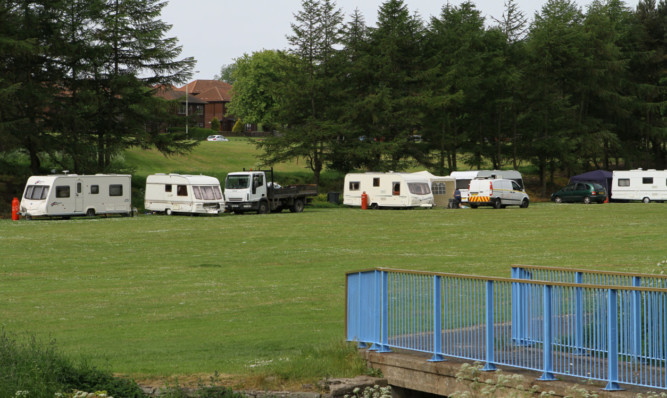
[[610, 333]]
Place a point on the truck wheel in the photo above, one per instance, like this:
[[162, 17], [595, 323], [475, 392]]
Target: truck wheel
[[497, 204], [263, 207], [90, 212], [167, 212], [297, 207], [524, 203]]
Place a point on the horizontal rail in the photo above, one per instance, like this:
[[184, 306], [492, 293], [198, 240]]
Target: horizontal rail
[[610, 333], [589, 277]]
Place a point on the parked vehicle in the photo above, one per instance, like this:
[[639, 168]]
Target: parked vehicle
[[255, 190], [67, 195], [498, 193], [391, 190], [176, 193], [216, 138], [463, 178], [645, 185], [586, 192]]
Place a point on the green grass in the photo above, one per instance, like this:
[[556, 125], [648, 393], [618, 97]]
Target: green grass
[[157, 295]]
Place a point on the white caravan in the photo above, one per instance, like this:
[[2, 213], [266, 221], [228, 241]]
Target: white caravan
[[387, 190], [66, 195], [181, 193], [645, 185]]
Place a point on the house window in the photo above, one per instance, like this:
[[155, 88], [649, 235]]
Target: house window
[[647, 180], [115, 190], [94, 189], [439, 188], [354, 185], [199, 110], [623, 182], [181, 109], [376, 182], [396, 190], [62, 191], [167, 188], [182, 190]]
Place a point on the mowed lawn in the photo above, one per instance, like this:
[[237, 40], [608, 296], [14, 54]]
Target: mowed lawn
[[158, 295]]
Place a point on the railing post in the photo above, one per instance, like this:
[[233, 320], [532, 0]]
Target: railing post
[[520, 306], [579, 313], [437, 319], [377, 311], [490, 329], [612, 341], [384, 304], [547, 334], [358, 309], [636, 328]]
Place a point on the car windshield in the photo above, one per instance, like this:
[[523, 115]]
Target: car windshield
[[419, 188], [237, 182]]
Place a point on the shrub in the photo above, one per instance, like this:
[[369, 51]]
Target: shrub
[[215, 124]]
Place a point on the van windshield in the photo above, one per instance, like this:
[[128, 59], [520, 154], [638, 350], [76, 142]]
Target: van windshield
[[36, 192], [419, 188], [237, 182]]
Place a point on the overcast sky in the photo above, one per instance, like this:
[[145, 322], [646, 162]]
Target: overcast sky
[[215, 32]]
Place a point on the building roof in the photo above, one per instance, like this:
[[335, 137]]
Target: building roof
[[209, 90], [174, 94]]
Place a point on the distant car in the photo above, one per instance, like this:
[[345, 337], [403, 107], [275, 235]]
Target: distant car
[[216, 138], [585, 192]]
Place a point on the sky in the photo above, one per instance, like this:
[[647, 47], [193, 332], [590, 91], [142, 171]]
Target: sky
[[216, 32]]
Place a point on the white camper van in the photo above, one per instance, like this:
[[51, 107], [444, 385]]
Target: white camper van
[[387, 190], [66, 195], [645, 185], [180, 193]]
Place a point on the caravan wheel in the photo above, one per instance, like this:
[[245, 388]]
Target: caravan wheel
[[167, 212], [374, 206], [646, 200], [90, 213]]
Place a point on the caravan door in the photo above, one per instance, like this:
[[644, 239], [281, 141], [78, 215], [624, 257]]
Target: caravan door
[[78, 197]]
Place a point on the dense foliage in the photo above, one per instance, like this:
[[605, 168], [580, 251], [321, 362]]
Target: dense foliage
[[569, 91], [76, 80]]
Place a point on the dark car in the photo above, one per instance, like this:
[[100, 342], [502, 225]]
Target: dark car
[[585, 192]]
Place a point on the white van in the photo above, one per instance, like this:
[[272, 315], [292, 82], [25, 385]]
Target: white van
[[390, 190], [182, 193], [67, 195], [498, 193], [645, 185], [463, 178]]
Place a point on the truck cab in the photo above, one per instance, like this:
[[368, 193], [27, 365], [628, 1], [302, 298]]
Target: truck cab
[[244, 190]]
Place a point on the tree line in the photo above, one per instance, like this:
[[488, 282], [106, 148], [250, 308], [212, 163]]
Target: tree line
[[78, 81], [568, 91]]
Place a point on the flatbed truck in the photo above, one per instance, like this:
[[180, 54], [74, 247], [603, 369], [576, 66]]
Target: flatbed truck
[[256, 191]]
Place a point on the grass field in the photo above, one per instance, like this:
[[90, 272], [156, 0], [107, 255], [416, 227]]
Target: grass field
[[157, 295]]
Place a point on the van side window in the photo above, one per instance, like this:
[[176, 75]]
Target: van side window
[[376, 182], [647, 180], [515, 186], [94, 189], [623, 182], [182, 190], [62, 191], [396, 190], [354, 185], [115, 190], [167, 188]]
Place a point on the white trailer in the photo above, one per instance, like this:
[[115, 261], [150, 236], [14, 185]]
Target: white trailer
[[645, 185], [67, 195], [392, 190], [183, 193]]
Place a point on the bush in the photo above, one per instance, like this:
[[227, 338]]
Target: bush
[[215, 124]]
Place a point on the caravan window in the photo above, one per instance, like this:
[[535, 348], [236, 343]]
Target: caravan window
[[217, 193], [78, 187], [197, 192], [462, 184], [207, 193], [36, 192], [94, 189], [115, 190], [623, 182], [439, 188], [396, 188], [647, 180], [376, 182], [354, 185], [182, 190], [62, 191], [167, 188], [419, 188]]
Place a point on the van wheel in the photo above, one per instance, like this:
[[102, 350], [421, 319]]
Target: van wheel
[[524, 203], [168, 212], [297, 207], [646, 200], [587, 200], [90, 213], [263, 207], [497, 204]]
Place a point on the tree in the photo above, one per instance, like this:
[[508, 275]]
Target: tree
[[227, 73]]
